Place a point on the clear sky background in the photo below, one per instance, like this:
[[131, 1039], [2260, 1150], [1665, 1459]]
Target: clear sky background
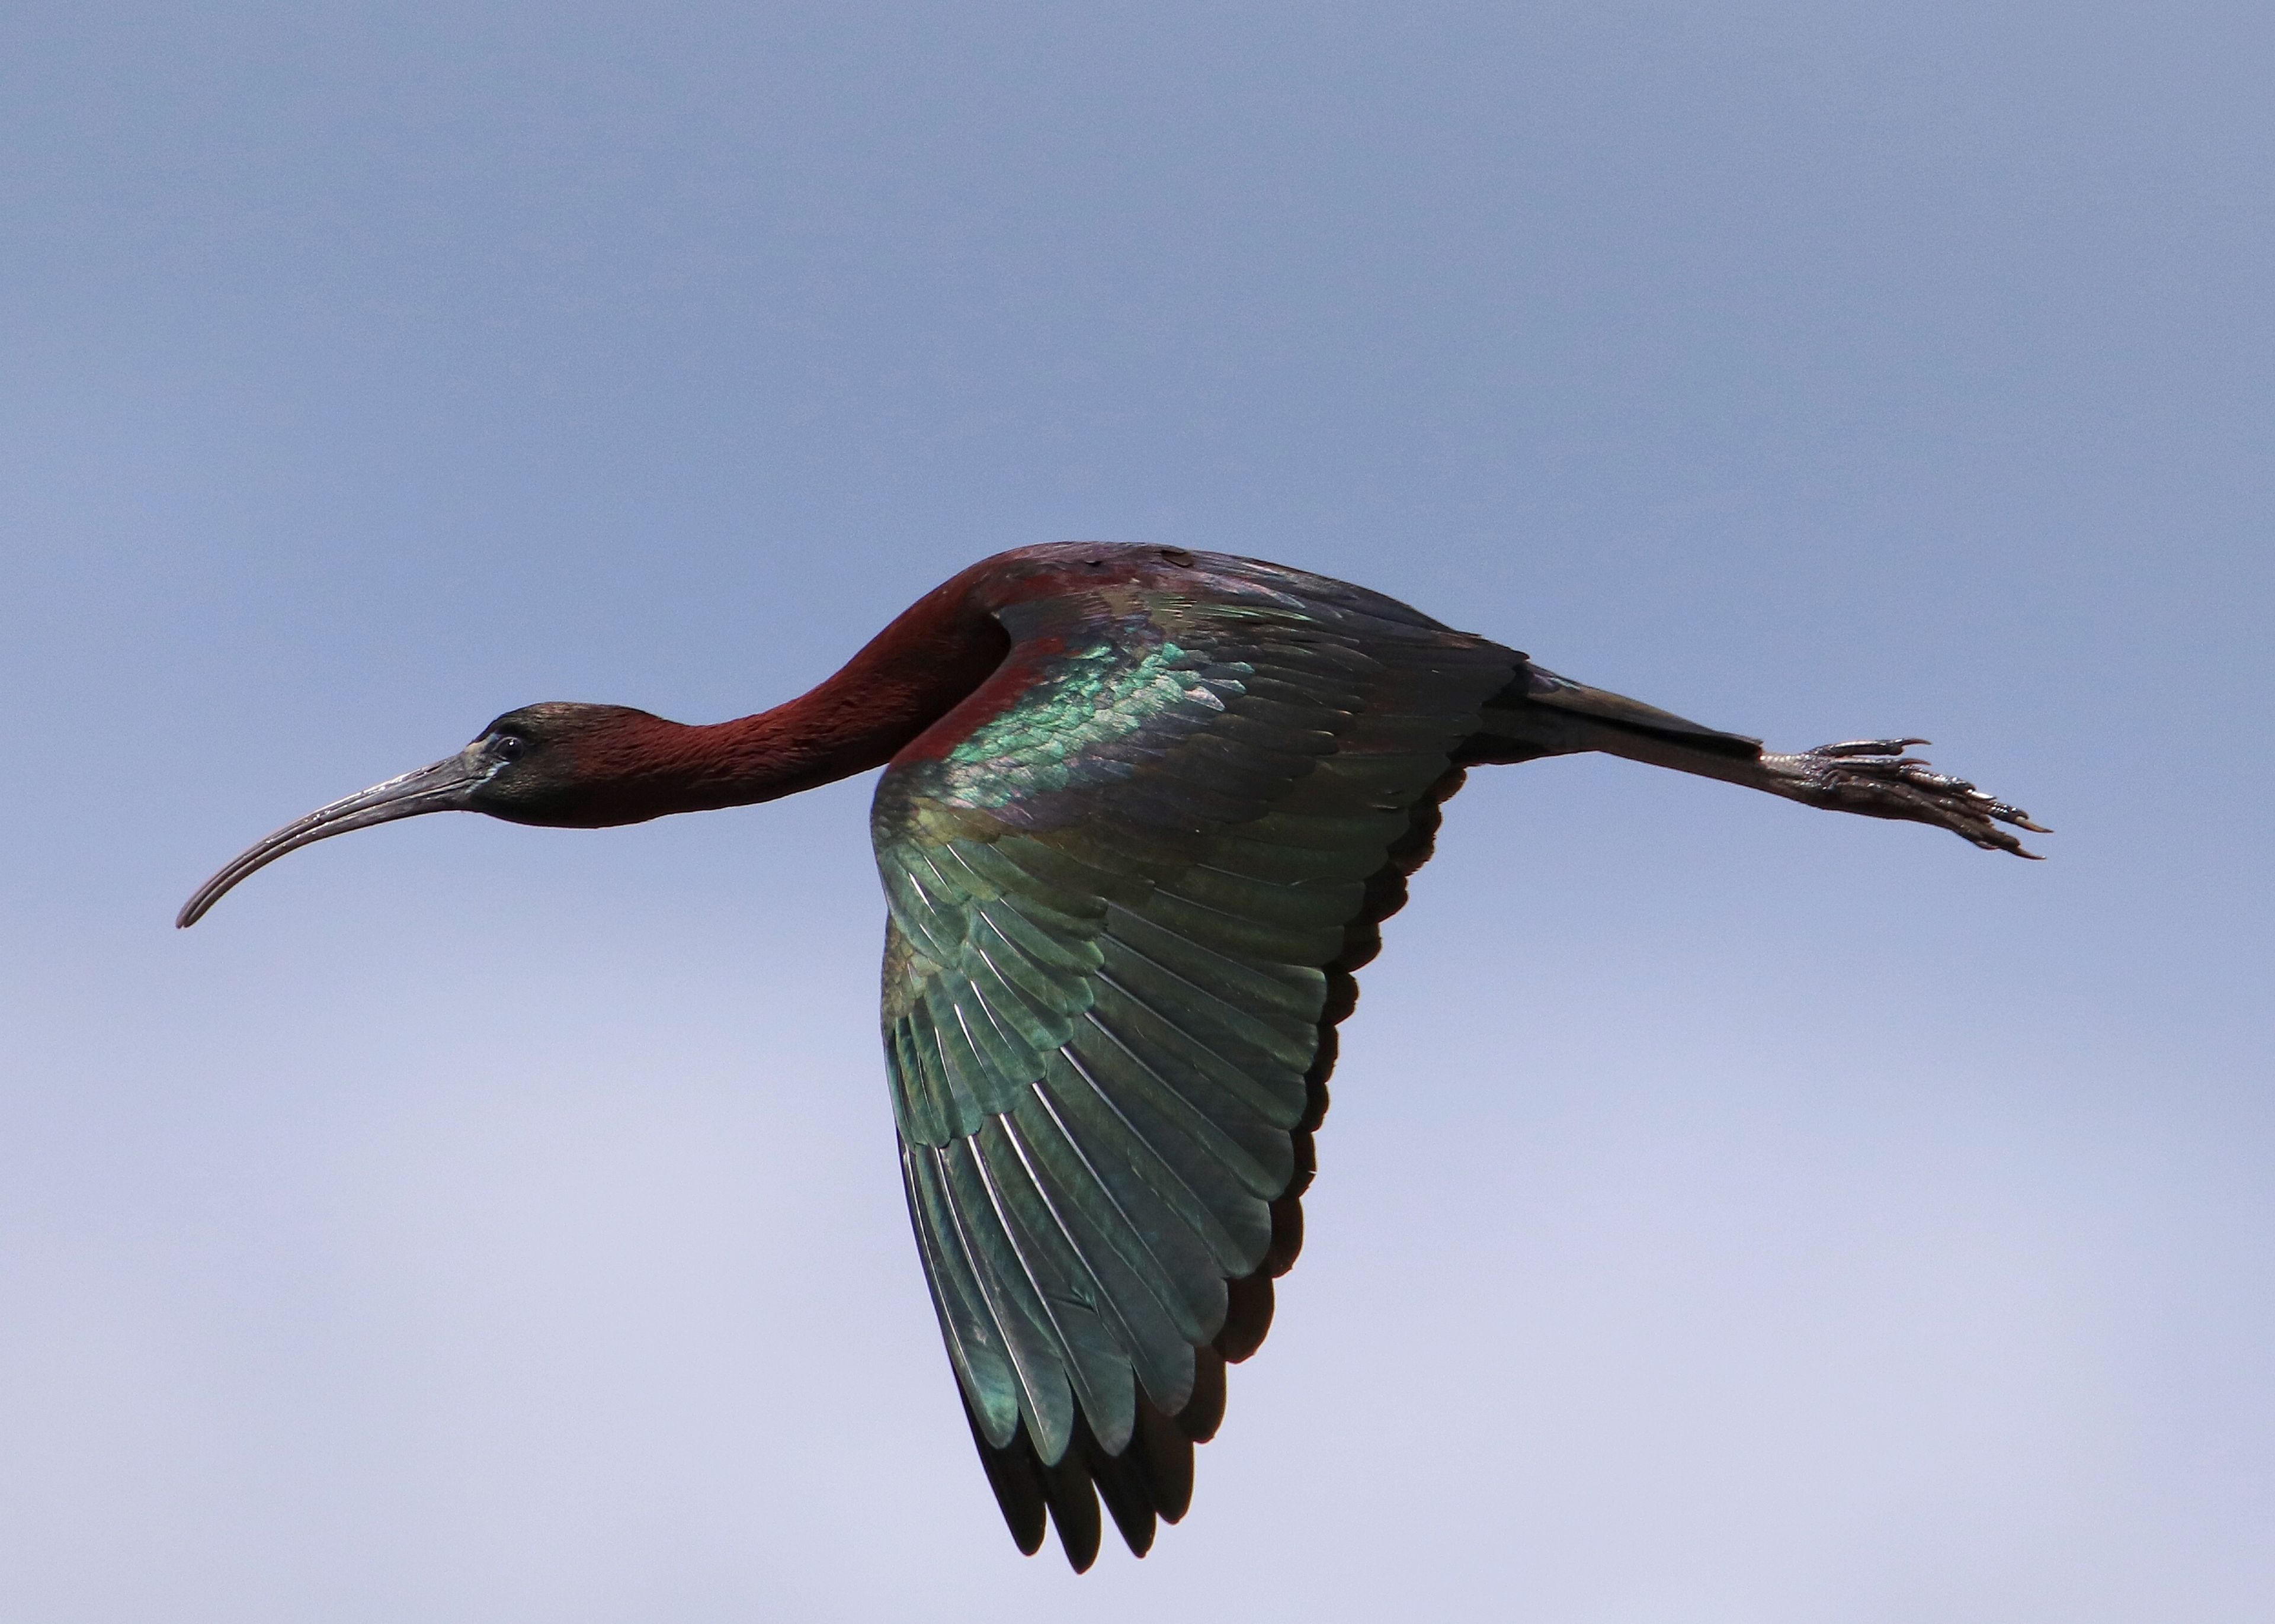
[[1729, 1212]]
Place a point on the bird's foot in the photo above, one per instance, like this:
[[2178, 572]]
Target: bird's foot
[[1877, 778]]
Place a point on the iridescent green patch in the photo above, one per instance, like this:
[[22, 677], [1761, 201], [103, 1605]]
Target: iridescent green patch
[[1088, 699]]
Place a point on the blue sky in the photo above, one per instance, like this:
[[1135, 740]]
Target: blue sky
[[1726, 1212]]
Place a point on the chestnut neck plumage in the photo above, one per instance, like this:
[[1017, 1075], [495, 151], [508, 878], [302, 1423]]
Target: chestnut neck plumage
[[908, 677]]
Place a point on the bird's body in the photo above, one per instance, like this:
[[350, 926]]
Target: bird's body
[[1144, 809]]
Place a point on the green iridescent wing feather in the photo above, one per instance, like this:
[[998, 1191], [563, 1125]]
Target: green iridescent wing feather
[[1123, 913]]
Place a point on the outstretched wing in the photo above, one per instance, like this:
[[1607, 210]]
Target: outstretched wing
[[1128, 879]]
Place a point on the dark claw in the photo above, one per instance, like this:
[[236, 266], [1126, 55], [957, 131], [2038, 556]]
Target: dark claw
[[1870, 747], [1919, 772]]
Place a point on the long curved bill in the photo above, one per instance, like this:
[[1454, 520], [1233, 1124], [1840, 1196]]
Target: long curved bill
[[442, 786]]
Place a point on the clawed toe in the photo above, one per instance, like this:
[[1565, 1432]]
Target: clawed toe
[[1875, 777]]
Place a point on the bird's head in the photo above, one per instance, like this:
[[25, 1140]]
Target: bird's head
[[565, 765]]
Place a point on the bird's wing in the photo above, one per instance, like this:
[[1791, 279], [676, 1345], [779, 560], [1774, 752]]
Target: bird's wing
[[1128, 881]]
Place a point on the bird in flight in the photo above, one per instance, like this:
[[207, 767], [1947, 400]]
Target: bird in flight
[[1142, 814]]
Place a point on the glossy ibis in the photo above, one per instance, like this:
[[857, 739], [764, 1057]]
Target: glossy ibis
[[1143, 811]]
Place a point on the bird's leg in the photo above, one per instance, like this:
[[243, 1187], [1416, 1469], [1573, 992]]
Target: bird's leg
[[1547, 714], [1877, 778]]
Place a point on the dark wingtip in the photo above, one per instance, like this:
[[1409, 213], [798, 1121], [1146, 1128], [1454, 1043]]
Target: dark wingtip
[[1151, 1482], [1018, 1486], [1247, 1316], [1073, 1501], [1204, 1411], [1168, 1458], [1124, 1483]]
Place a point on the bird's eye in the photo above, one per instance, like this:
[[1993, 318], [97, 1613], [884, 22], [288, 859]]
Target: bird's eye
[[506, 747]]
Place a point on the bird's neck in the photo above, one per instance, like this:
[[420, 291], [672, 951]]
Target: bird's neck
[[912, 674]]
